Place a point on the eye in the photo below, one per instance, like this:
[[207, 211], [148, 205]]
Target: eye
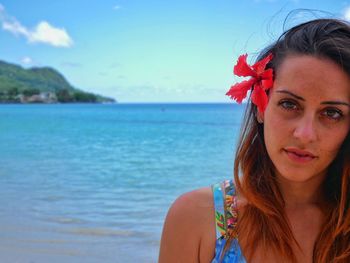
[[288, 105], [332, 113]]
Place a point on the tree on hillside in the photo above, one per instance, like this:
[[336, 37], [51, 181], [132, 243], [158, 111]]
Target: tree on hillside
[[80, 96], [63, 95], [30, 92], [13, 91]]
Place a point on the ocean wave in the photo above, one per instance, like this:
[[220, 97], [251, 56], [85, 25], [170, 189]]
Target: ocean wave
[[66, 220], [103, 232]]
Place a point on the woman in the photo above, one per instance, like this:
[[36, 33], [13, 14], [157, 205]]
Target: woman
[[290, 198]]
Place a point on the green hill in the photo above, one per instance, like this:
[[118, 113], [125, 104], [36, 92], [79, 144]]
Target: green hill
[[21, 85]]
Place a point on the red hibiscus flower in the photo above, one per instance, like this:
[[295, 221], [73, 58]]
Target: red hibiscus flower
[[260, 81]]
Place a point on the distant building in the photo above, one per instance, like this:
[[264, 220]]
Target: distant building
[[43, 97]]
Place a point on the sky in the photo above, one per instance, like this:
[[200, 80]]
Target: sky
[[148, 50]]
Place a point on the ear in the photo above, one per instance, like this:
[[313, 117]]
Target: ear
[[260, 117]]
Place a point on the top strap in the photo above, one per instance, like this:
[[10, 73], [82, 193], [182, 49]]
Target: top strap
[[219, 207], [225, 204]]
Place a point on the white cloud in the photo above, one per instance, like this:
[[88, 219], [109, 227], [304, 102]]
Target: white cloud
[[26, 61], [46, 33], [43, 32], [15, 28], [346, 13], [116, 7]]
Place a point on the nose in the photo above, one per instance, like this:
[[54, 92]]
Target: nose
[[305, 130]]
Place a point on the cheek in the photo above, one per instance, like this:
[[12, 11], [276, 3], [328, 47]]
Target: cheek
[[332, 142], [276, 130], [334, 137]]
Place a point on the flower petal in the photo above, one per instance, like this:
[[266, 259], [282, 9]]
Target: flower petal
[[259, 97], [267, 79], [242, 69], [239, 91], [260, 66]]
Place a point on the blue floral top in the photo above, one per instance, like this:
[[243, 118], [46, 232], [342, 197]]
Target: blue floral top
[[226, 219]]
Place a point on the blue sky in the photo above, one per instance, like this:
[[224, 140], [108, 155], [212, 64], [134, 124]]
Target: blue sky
[[147, 51]]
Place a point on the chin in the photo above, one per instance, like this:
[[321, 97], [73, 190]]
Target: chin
[[298, 175]]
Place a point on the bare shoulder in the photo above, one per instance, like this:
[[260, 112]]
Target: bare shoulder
[[200, 198], [189, 228]]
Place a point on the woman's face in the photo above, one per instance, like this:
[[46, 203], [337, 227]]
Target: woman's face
[[307, 117]]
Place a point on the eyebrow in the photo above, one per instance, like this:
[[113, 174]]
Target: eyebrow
[[324, 102], [290, 93]]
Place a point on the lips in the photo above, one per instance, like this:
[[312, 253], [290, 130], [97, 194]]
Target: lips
[[299, 152], [300, 156]]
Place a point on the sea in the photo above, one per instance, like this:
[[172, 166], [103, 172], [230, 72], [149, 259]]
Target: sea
[[93, 182]]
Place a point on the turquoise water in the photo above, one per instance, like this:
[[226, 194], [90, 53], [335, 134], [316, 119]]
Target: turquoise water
[[92, 183]]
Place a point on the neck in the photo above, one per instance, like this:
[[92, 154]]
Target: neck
[[298, 194]]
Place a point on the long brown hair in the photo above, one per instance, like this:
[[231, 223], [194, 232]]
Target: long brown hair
[[263, 219]]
